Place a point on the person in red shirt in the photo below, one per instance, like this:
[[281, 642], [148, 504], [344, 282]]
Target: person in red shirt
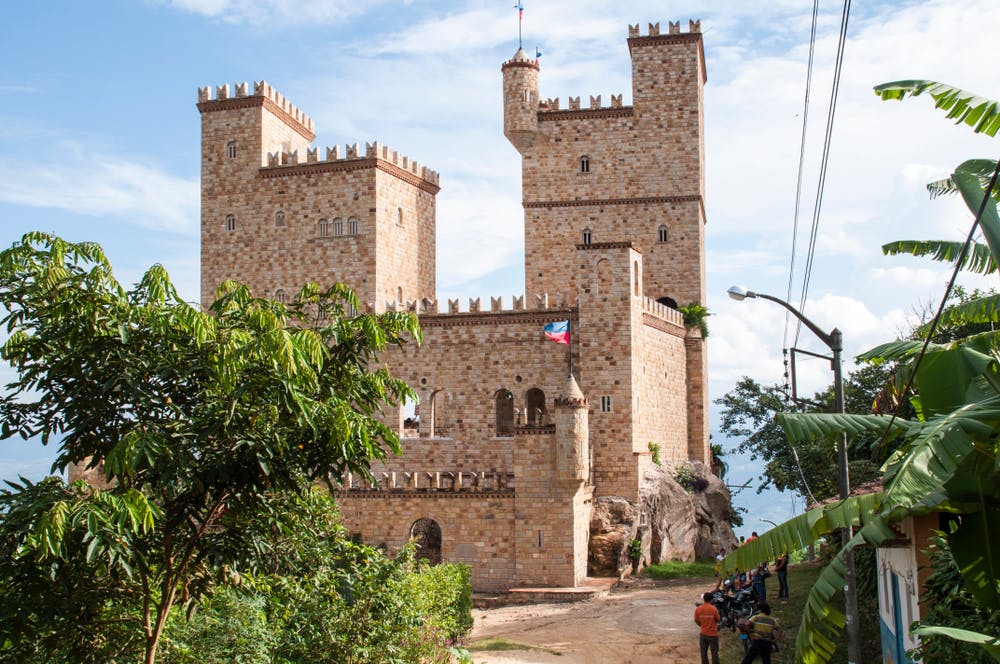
[[707, 617]]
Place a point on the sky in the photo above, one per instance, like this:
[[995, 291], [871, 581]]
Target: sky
[[100, 141]]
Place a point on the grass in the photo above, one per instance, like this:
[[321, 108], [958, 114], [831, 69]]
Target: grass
[[496, 645], [789, 614], [678, 570]]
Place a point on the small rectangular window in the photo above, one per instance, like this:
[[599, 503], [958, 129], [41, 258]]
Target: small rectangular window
[[606, 404]]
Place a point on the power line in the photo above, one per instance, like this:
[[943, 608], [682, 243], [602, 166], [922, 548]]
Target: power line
[[798, 183], [824, 160]]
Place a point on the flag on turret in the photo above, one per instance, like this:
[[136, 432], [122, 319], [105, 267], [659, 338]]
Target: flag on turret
[[558, 331]]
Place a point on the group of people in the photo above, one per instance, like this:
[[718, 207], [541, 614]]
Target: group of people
[[761, 632]]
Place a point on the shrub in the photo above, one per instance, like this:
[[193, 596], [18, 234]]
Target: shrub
[[654, 450]]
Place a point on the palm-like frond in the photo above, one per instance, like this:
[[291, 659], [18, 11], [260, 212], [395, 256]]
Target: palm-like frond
[[981, 168], [980, 113], [978, 259], [978, 311], [893, 351]]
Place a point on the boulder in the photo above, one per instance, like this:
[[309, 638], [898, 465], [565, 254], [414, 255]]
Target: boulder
[[673, 522]]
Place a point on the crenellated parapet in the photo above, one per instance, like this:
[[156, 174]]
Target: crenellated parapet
[[261, 91], [541, 302], [354, 153], [662, 311], [547, 108], [423, 481], [673, 28]]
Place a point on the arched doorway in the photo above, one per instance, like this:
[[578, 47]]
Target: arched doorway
[[534, 400], [427, 534], [504, 412]]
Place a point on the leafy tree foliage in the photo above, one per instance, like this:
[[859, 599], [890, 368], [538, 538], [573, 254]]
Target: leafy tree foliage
[[948, 458], [808, 467], [203, 420]]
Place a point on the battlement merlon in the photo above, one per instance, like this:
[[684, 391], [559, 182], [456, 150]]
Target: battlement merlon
[[674, 36], [352, 156], [239, 96]]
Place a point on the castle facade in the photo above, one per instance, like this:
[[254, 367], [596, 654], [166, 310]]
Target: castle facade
[[501, 468]]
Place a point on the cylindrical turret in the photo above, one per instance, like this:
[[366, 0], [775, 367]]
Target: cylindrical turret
[[572, 431], [520, 100]]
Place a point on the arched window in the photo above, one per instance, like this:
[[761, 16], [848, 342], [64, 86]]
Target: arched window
[[399, 216], [635, 269], [667, 301], [338, 227], [436, 424], [427, 534], [504, 412], [534, 400], [279, 218], [584, 164], [605, 277], [279, 296], [323, 228], [586, 236], [230, 222], [399, 295], [662, 233], [231, 149], [352, 226]]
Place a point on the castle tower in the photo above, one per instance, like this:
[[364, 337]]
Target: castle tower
[[275, 214], [520, 100], [572, 461], [614, 173]]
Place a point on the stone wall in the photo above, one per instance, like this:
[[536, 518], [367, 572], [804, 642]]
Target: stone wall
[[476, 529]]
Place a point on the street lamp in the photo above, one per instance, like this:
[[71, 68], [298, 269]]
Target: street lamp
[[834, 340]]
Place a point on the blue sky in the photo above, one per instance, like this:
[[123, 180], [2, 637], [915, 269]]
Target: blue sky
[[100, 133]]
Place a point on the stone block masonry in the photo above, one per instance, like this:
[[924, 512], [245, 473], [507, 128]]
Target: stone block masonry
[[506, 453]]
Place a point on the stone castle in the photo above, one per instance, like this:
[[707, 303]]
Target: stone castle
[[509, 454]]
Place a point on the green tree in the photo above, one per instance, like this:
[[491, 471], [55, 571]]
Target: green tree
[[203, 420], [807, 467], [947, 457]]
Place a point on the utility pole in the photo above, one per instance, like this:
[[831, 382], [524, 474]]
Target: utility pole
[[834, 340]]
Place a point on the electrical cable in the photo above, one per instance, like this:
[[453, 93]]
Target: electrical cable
[[798, 183], [824, 161]]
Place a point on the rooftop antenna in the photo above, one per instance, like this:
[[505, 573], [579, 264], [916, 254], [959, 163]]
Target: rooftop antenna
[[520, 19]]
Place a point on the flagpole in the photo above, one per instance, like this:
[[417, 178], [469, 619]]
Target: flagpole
[[569, 346]]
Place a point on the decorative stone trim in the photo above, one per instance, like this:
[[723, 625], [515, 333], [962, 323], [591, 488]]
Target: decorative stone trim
[[349, 165], [690, 198], [256, 102], [663, 326], [499, 318], [596, 246], [373, 494], [586, 113]]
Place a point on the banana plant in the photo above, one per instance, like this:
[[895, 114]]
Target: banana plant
[[948, 458]]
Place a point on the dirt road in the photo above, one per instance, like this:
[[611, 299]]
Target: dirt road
[[646, 621]]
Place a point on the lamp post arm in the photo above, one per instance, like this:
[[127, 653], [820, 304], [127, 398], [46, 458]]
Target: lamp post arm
[[831, 339]]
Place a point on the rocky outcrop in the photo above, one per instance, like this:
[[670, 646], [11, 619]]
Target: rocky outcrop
[[673, 522]]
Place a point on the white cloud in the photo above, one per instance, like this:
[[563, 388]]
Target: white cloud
[[269, 12], [104, 185]]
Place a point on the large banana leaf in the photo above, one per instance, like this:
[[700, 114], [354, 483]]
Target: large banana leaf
[[978, 259], [990, 644], [976, 547], [894, 351], [980, 310], [981, 168], [812, 426], [947, 379], [980, 113], [973, 194]]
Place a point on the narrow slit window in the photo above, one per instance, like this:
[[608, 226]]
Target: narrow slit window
[[230, 222], [399, 216], [584, 164], [586, 236], [606, 404], [663, 234]]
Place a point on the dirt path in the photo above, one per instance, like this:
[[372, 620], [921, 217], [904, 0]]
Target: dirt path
[[646, 621]]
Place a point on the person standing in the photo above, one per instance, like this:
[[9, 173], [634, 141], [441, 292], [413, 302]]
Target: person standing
[[781, 568], [764, 632], [757, 579], [707, 617]]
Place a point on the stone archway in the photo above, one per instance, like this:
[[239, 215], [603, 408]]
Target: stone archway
[[427, 534]]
